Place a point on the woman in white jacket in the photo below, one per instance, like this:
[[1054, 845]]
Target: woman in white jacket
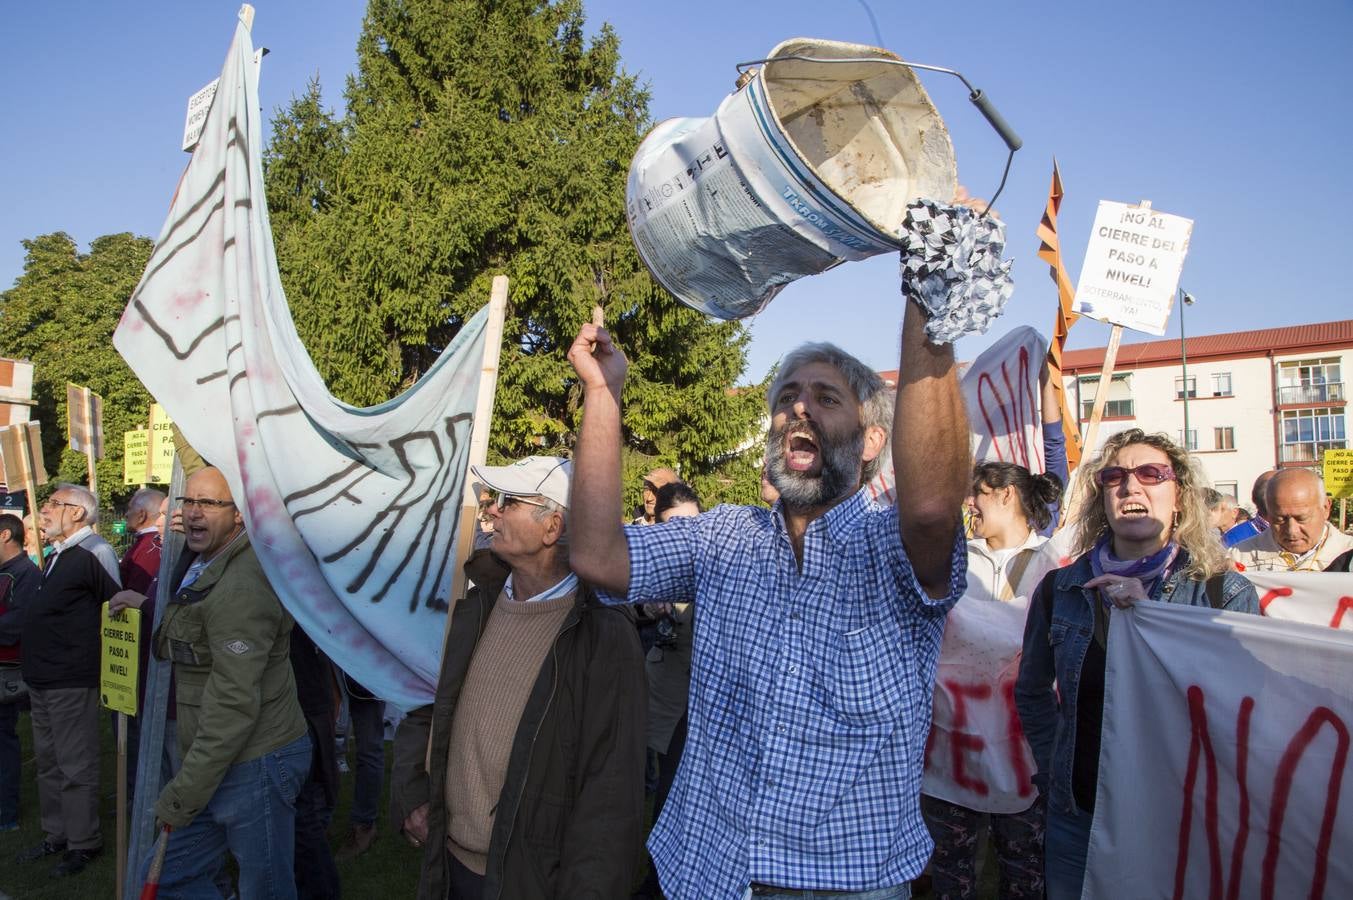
[[1008, 507]]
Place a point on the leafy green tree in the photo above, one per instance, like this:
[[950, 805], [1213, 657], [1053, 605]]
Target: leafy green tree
[[486, 138], [60, 314]]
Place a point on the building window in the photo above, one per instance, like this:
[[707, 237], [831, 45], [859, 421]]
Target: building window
[[1308, 433], [1192, 440], [1179, 388], [1228, 488], [1310, 381], [1221, 384], [1224, 438], [1118, 405]]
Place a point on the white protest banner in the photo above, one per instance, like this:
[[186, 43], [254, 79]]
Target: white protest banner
[[976, 755], [1001, 392], [352, 512], [1317, 598], [1225, 763], [1132, 266]]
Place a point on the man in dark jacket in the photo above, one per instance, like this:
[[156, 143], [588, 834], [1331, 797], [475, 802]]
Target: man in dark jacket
[[61, 665], [536, 735], [19, 580]]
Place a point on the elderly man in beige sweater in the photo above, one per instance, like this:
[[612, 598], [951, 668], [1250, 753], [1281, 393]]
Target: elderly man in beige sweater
[[1301, 538], [525, 777]]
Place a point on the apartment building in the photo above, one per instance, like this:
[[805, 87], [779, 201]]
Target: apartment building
[[1255, 399]]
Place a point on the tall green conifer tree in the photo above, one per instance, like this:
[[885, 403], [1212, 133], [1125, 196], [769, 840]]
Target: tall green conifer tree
[[60, 314], [486, 138]]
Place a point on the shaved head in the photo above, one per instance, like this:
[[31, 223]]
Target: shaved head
[[1297, 508]]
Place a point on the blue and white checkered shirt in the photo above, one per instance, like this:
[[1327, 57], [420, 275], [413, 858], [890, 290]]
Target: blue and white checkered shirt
[[809, 702]]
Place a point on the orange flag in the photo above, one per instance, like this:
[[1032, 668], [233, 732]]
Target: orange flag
[[1050, 251]]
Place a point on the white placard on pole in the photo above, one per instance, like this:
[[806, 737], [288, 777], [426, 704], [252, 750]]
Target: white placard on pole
[[200, 102], [1132, 266]]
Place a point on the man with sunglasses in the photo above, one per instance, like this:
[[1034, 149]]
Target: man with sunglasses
[[241, 733], [524, 778], [61, 665]]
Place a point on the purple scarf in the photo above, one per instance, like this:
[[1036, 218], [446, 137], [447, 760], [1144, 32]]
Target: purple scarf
[[1149, 569]]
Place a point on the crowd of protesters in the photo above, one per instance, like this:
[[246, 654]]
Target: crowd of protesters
[[780, 740]]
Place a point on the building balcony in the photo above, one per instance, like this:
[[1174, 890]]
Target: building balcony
[[1311, 393], [1308, 452]]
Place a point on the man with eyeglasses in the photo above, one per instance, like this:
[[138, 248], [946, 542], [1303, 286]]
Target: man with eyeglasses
[[61, 665], [524, 778], [242, 737]]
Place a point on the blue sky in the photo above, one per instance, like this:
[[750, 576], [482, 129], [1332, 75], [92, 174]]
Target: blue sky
[[1232, 114]]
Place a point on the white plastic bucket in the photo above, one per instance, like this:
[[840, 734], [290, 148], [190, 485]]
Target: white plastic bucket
[[806, 166]]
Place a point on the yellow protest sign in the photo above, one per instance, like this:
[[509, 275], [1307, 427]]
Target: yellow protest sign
[[161, 445], [1338, 473], [135, 446], [148, 454], [118, 660]]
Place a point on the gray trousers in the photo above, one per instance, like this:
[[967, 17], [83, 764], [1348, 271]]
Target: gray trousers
[[66, 744]]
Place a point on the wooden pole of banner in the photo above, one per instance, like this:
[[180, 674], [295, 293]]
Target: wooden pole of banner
[[150, 446], [1096, 412], [1343, 513], [121, 801], [153, 711], [479, 436], [30, 487], [479, 451], [91, 431]]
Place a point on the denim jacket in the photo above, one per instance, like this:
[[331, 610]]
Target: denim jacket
[[1057, 634]]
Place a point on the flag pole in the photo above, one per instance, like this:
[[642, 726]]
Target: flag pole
[[479, 437], [87, 396], [1097, 411], [121, 801]]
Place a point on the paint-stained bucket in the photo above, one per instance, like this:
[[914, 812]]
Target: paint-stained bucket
[[808, 165]]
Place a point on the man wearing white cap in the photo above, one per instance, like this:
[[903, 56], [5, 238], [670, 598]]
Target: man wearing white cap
[[524, 778]]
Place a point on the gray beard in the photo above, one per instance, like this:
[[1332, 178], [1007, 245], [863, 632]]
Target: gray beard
[[840, 474]]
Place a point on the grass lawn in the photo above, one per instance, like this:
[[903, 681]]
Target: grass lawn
[[388, 870]]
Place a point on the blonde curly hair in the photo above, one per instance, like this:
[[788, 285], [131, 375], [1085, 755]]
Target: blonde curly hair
[[1192, 529]]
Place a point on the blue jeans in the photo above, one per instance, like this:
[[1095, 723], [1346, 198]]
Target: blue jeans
[[368, 731], [898, 892], [252, 814], [10, 764], [1065, 845]]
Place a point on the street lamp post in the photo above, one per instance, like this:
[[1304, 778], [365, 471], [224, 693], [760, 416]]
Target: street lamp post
[[1185, 299]]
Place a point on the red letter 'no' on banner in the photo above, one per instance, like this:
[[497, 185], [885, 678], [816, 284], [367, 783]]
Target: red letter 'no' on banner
[[1200, 744]]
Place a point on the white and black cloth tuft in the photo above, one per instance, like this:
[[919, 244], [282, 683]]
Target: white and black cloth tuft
[[952, 267]]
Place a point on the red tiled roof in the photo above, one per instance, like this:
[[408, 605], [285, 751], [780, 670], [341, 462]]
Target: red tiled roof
[[1293, 338]]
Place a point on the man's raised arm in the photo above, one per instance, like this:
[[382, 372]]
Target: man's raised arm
[[932, 457], [598, 553]]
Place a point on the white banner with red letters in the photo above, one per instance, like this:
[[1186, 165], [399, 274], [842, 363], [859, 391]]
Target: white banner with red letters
[[1001, 392], [1319, 598], [1224, 769], [976, 755]]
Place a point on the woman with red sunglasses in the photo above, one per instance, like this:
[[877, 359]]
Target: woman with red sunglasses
[[1143, 534]]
